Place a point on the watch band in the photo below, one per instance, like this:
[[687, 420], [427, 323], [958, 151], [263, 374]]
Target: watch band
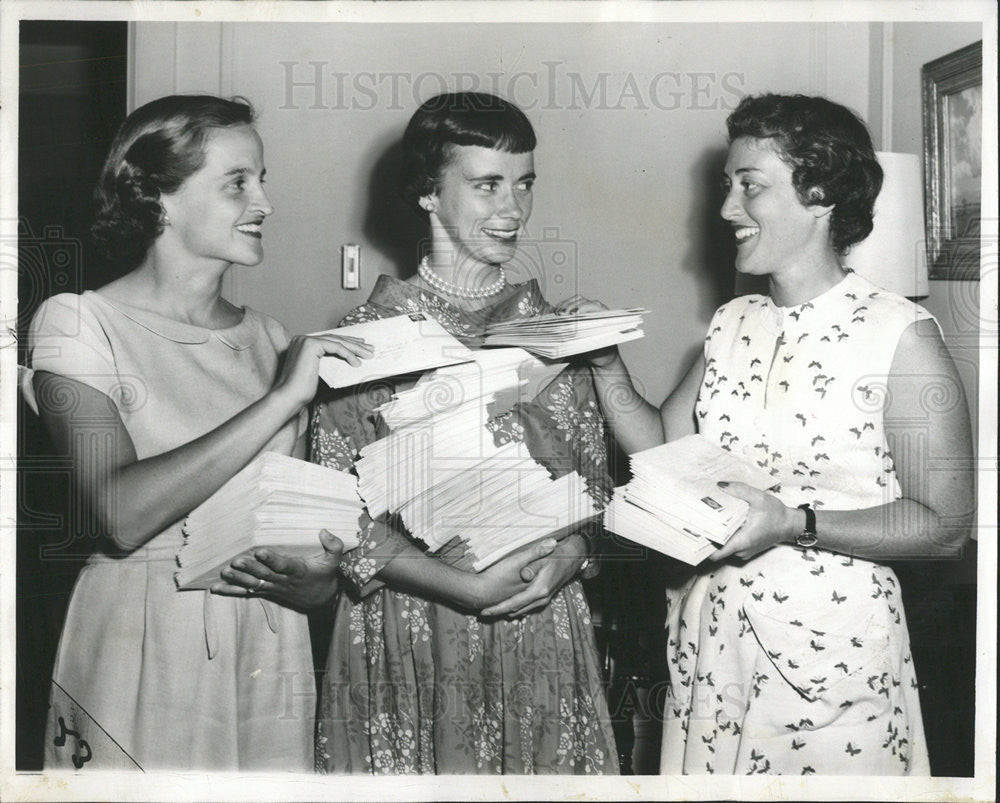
[[807, 538]]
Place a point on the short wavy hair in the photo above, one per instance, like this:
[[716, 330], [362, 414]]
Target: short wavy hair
[[829, 150], [457, 118], [158, 147]]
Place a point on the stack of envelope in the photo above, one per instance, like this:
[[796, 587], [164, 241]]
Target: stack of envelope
[[442, 472], [559, 335], [402, 344], [672, 503], [275, 501]]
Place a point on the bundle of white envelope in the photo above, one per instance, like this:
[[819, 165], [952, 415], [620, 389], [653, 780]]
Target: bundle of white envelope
[[439, 468], [673, 504], [442, 472], [558, 335], [275, 501]]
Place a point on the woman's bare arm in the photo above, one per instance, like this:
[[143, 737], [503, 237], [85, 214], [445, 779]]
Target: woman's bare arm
[[928, 431], [678, 410], [133, 499]]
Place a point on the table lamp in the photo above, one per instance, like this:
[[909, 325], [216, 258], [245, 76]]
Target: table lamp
[[894, 255]]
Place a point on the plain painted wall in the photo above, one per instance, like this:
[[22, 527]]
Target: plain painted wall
[[631, 126]]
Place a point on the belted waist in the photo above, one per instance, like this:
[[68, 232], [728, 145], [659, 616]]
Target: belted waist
[[164, 546], [161, 552]]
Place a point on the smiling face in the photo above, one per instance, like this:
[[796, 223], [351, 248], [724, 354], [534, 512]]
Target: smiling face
[[217, 213], [481, 204], [774, 231]]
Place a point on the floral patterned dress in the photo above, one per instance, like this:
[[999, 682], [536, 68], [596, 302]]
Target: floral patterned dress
[[798, 661], [414, 686]]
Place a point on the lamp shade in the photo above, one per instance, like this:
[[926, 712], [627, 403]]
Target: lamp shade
[[894, 255]]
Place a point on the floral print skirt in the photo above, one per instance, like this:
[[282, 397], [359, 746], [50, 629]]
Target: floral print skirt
[[415, 687]]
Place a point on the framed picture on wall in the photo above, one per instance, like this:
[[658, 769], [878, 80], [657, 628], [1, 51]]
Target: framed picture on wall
[[953, 161]]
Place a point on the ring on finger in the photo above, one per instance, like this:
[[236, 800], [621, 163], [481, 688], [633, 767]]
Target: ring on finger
[[259, 587]]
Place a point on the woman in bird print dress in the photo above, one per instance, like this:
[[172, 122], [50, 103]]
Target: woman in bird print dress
[[788, 649]]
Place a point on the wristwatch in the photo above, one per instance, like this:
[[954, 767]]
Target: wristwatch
[[807, 537]]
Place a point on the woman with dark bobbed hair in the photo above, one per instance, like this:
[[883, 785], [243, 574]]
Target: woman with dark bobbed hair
[[788, 650], [160, 390], [435, 668], [830, 155], [465, 672]]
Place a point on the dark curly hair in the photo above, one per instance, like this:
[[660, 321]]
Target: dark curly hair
[[158, 147], [457, 118], [829, 150]]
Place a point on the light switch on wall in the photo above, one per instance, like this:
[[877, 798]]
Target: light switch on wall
[[350, 265]]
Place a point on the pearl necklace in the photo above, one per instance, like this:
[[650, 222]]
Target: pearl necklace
[[435, 281]]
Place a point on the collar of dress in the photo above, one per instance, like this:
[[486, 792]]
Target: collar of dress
[[238, 337]]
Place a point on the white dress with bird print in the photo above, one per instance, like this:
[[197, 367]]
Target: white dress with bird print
[[798, 660]]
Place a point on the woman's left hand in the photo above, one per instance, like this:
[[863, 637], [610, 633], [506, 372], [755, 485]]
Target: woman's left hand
[[768, 522], [546, 576], [601, 358], [297, 582]]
